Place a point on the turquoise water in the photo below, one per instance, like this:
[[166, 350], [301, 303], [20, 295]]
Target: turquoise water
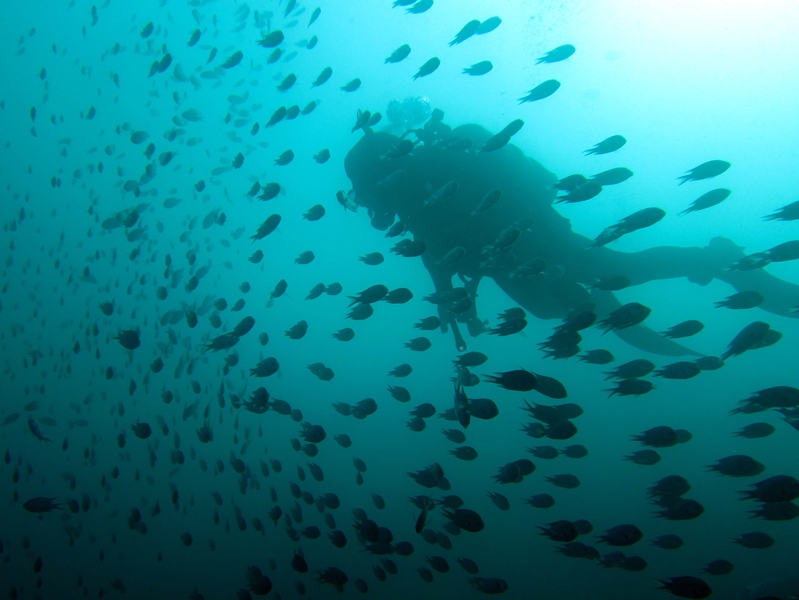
[[684, 83]]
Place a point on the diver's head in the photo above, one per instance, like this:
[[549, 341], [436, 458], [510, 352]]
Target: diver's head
[[409, 113], [381, 220], [365, 168]]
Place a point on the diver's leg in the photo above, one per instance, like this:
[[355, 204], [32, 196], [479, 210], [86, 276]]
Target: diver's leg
[[537, 299], [701, 265]]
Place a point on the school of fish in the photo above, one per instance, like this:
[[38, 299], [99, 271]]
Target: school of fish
[[226, 372]]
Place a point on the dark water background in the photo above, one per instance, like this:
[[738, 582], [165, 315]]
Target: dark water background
[[683, 82]]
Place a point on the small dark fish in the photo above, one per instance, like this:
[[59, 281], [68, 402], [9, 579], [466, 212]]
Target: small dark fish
[[345, 201], [402, 370], [470, 359], [316, 212], [41, 505], [784, 252], [344, 335], [269, 191], [36, 431], [233, 60], [285, 158], [280, 289], [541, 91], [370, 295], [687, 587], [10, 418], [419, 7], [419, 344], [421, 519], [254, 189], [707, 200], [452, 257], [298, 562], [513, 127], [141, 430], [488, 201], [466, 519], [427, 68], [305, 258], [361, 120], [361, 312], [583, 192], [480, 68], [679, 370], [597, 357], [276, 117], [322, 156], [789, 212], [558, 54], [272, 39], [138, 137], [607, 145], [625, 316], [399, 296], [709, 363], [570, 183], [706, 170], [316, 291], [399, 54], [244, 327], [352, 85], [268, 226], [746, 339], [298, 331], [466, 32], [519, 380], [737, 465], [324, 374], [442, 193], [286, 84], [128, 338], [373, 258], [265, 368], [684, 329], [428, 324], [741, 300], [323, 77], [488, 25], [612, 176], [644, 457], [755, 430], [641, 219]]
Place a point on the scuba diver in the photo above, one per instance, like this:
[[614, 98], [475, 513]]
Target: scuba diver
[[433, 178]]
